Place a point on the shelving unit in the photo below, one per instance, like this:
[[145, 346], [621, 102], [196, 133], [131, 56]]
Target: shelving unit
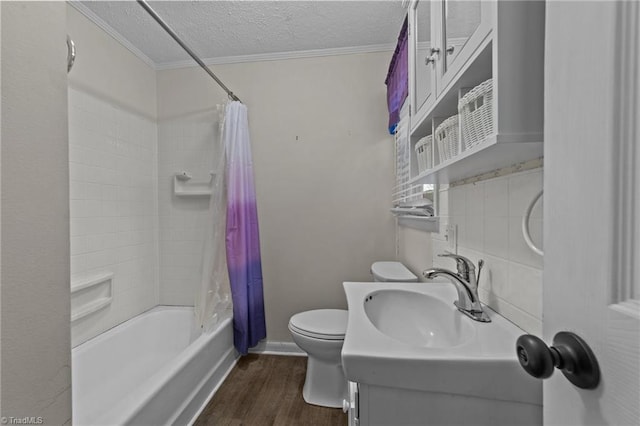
[[406, 194], [493, 153], [508, 47]]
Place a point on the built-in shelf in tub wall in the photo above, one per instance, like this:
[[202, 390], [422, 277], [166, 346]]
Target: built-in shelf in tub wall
[[90, 295], [185, 185]]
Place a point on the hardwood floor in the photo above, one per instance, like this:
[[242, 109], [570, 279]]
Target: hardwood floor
[[265, 390]]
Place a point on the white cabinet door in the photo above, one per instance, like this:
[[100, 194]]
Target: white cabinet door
[[421, 65], [444, 35], [592, 204], [463, 25]]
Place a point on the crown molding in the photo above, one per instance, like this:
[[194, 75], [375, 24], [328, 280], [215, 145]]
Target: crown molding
[[90, 15], [278, 56]]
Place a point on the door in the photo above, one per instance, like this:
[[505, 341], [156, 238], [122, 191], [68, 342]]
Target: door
[[592, 204]]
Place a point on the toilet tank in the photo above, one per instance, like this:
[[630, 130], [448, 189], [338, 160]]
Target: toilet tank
[[392, 271]]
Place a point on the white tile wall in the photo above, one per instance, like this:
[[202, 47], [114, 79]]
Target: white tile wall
[[187, 144], [113, 207], [488, 215]]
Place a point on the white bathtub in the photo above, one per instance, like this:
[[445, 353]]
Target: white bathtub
[[155, 369]]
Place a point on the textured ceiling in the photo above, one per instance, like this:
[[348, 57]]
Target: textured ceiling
[[216, 29]]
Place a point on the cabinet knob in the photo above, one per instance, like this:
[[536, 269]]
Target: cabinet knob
[[435, 50], [569, 353], [450, 49], [430, 60]]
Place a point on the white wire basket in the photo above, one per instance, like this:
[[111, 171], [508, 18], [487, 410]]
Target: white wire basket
[[476, 114], [447, 138], [424, 153]]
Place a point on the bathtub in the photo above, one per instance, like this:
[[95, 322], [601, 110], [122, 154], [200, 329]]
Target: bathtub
[[155, 369]]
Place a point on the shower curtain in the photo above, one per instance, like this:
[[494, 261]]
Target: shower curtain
[[243, 242], [214, 295]]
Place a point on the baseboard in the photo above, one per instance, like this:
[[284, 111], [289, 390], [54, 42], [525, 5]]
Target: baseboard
[[277, 348]]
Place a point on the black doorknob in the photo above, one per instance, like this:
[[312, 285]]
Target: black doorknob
[[569, 353]]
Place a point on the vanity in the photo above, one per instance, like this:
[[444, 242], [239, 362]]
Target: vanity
[[412, 358]]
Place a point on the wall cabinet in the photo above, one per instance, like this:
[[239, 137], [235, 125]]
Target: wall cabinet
[[456, 45], [444, 35]]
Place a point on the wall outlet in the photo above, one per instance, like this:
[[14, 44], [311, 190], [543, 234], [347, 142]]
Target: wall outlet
[[451, 235]]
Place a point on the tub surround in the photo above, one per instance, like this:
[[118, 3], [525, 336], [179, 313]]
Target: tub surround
[[186, 141], [113, 178], [112, 159]]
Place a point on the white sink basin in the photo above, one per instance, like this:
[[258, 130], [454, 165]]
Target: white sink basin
[[417, 319], [411, 336]]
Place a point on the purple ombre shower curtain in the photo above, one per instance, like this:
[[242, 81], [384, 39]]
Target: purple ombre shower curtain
[[242, 235]]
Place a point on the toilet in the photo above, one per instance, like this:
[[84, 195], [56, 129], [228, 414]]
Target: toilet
[[392, 272], [320, 333]]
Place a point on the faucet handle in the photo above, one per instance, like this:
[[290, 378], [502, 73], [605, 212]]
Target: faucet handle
[[465, 266]]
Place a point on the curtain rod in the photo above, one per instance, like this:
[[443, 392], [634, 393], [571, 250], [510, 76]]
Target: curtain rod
[[173, 34]]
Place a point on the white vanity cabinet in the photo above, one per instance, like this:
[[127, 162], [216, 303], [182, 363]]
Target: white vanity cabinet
[[454, 46], [384, 406]]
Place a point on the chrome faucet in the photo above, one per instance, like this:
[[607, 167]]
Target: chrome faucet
[[465, 282]]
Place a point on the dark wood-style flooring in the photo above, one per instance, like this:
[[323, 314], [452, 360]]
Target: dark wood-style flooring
[[265, 390]]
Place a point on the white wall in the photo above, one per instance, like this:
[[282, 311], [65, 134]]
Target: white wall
[[323, 166], [113, 177], [488, 216], [35, 351]]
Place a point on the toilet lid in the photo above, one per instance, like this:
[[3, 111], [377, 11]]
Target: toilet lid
[[392, 271], [328, 324]]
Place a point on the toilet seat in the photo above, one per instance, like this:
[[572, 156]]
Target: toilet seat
[[324, 324]]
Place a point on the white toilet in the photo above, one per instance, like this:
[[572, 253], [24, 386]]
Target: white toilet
[[392, 271], [320, 333]]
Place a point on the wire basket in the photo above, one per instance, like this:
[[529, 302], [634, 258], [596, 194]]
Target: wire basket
[[447, 138], [476, 114], [424, 153]]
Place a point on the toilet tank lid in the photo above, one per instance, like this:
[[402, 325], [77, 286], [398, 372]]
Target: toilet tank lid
[[392, 271]]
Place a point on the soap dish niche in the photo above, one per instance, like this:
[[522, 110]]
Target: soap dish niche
[[185, 185]]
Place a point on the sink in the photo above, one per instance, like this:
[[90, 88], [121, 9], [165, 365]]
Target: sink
[[417, 319], [410, 336]]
